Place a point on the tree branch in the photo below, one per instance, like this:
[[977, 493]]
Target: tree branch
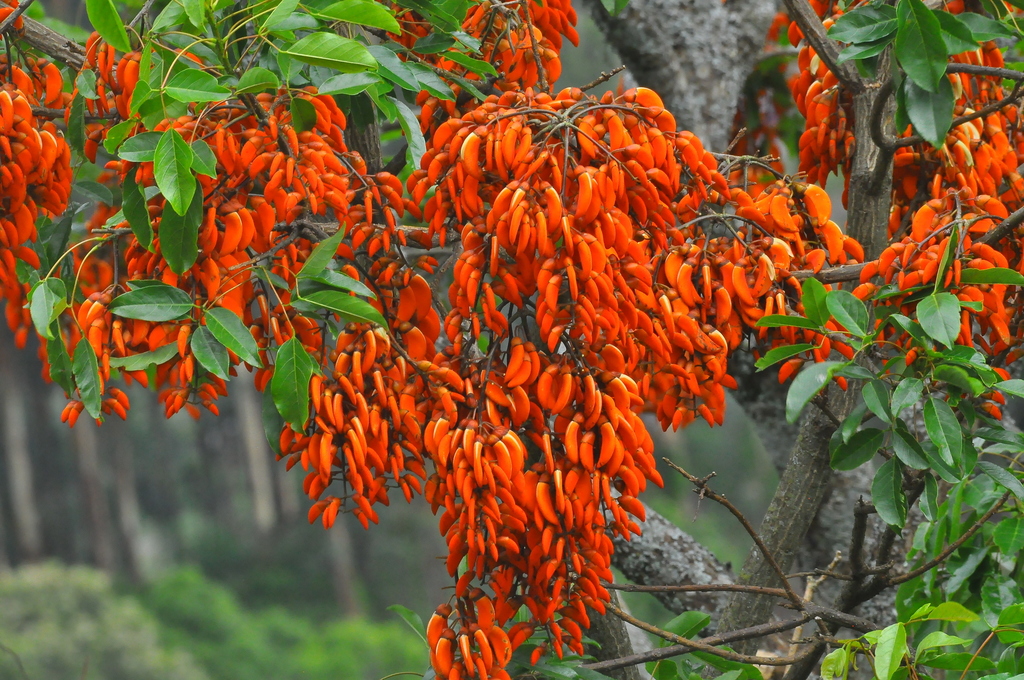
[[827, 50], [52, 44]]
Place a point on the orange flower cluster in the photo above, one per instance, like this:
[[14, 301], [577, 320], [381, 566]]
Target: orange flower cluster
[[35, 171]]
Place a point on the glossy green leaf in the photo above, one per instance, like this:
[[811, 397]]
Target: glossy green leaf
[[293, 370], [957, 661], [475, 65], [864, 51], [431, 82], [140, 362], [117, 134], [194, 10], [303, 114], [273, 423], [861, 448], [1003, 477], [774, 356], [951, 611], [349, 307], [172, 169], [1009, 535], [332, 51], [919, 46], [152, 303], [48, 299], [939, 316], [849, 311], [614, 6], [876, 396], [814, 298], [1014, 387], [133, 203], [983, 28], [76, 124], [994, 275], [806, 385], [931, 113], [210, 353], [179, 234], [60, 364], [779, 320], [908, 450], [939, 639], [890, 650], [258, 79], [349, 83], [282, 11], [194, 85], [322, 255], [390, 67], [86, 84], [955, 33], [229, 330], [907, 393], [141, 148], [412, 619], [864, 24], [887, 494], [944, 430], [929, 502], [334, 279], [104, 18], [87, 377], [203, 159], [411, 128], [363, 13]]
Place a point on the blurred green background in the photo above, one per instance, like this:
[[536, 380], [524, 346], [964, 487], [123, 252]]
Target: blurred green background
[[179, 549]]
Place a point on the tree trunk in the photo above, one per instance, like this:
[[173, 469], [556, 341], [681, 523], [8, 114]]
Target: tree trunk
[[257, 455], [343, 569], [128, 514], [25, 514], [695, 53], [97, 512]]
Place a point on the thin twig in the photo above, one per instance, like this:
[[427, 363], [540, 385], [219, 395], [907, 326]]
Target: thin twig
[[603, 78], [1004, 228], [9, 21], [542, 76], [707, 588], [844, 272]]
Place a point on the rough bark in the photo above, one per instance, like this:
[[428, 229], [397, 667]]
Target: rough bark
[[789, 516], [695, 53], [53, 44], [666, 555], [28, 533], [94, 497]]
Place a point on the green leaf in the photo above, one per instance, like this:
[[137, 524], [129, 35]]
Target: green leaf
[[258, 79], [907, 393], [172, 168], [229, 330], [887, 494], [363, 13], [939, 315], [158, 302], [890, 650], [944, 430], [413, 136], [774, 356], [688, 624], [141, 148], [117, 133], [983, 28], [931, 113], [86, 84], [133, 203], [334, 279], [203, 159], [955, 33], [777, 320], [814, 299], [908, 450], [210, 353], [47, 300], [849, 311], [412, 619], [430, 81], [994, 275], [864, 24], [87, 377], [939, 639], [957, 661], [861, 448], [303, 114], [332, 51], [193, 85], [273, 423], [290, 385], [806, 385], [142, 97], [1009, 535], [322, 255], [283, 10], [865, 51], [104, 18], [929, 503], [1004, 478], [919, 46], [93, 191], [1014, 387], [76, 124], [60, 363], [349, 307], [349, 83], [474, 65], [876, 396], [392, 68], [193, 10], [951, 611], [179, 234], [957, 376], [614, 6], [140, 362]]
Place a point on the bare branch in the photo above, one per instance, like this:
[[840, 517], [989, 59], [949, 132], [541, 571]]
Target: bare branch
[[1004, 228], [52, 44]]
